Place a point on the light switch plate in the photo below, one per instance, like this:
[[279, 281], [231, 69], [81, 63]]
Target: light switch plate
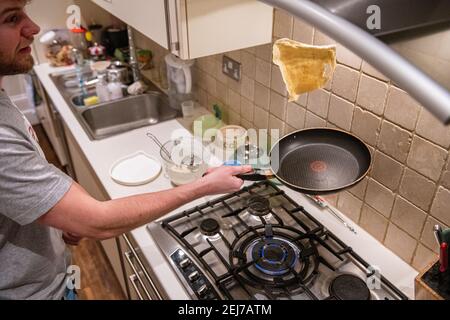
[[231, 68]]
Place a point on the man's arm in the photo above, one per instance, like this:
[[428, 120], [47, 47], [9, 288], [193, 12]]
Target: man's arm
[[80, 214]]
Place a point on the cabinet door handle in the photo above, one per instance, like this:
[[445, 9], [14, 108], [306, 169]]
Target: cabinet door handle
[[133, 279], [136, 273], [147, 276]]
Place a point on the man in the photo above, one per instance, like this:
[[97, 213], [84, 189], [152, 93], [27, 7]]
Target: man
[[38, 202]]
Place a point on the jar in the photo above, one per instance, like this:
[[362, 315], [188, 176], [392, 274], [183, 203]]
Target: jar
[[78, 40]]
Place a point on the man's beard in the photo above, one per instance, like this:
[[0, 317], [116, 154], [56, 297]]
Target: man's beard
[[17, 66]]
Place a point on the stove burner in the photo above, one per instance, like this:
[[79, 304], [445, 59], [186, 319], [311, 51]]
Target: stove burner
[[209, 227], [349, 287], [258, 206], [273, 257]]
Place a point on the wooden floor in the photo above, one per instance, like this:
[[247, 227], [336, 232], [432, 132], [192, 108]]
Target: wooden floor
[[98, 281]]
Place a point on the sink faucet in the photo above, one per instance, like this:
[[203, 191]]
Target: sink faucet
[[133, 60]]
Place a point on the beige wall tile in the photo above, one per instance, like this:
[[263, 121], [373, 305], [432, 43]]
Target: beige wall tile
[[400, 243], [445, 181], [408, 217], [247, 124], [441, 204], [234, 101], [276, 82], [248, 88], [313, 121], [276, 124], [417, 189], [247, 109], [264, 52], [372, 94], [295, 116], [262, 96], [222, 92], [318, 102], [303, 32], [427, 237], [263, 72], [431, 128], [288, 129], [423, 258], [234, 118], [401, 109], [211, 85], [380, 198], [366, 126], [283, 24], [341, 112], [235, 55], [394, 141], [234, 85], [278, 105], [373, 222], [427, 158], [261, 118], [350, 205], [347, 57], [359, 190], [368, 69], [303, 100], [387, 171], [345, 82], [201, 97], [248, 64], [321, 38]]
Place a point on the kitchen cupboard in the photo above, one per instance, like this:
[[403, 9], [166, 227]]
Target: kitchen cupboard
[[197, 28], [86, 177]]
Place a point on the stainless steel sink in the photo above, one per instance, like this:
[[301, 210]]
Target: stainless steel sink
[[107, 119]]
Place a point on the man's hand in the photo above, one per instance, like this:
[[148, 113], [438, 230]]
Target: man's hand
[[223, 179], [71, 239]]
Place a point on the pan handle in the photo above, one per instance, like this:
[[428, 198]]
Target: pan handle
[[257, 175]]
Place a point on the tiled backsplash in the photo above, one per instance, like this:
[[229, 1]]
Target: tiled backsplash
[[408, 189]]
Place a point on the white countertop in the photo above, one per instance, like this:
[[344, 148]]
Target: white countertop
[[102, 154]]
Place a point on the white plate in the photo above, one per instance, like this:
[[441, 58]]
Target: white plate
[[136, 169]]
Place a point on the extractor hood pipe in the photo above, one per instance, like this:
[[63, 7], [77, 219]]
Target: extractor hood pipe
[[426, 91]]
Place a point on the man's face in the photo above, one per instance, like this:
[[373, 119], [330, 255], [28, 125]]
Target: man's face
[[16, 35]]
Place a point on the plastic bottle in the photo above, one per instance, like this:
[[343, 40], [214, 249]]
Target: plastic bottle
[[102, 88], [115, 88]]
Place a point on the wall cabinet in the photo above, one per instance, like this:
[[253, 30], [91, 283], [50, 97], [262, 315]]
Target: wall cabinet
[[197, 28]]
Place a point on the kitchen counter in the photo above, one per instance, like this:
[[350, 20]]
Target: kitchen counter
[[103, 153]]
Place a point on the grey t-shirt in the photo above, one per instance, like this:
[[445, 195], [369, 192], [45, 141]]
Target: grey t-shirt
[[33, 257]]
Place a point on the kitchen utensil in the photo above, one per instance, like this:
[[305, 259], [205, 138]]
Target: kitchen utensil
[[321, 202], [183, 159], [136, 169], [443, 257], [318, 161], [156, 140]]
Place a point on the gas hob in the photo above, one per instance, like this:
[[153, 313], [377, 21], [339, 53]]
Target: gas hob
[[259, 244]]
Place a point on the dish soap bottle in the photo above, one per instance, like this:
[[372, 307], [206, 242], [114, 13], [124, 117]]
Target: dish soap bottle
[[115, 88], [102, 88]]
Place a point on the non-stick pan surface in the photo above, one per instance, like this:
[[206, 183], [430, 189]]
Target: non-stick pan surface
[[320, 161]]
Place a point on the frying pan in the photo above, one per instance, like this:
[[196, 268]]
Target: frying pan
[[317, 161]]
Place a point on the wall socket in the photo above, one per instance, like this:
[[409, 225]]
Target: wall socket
[[231, 68]]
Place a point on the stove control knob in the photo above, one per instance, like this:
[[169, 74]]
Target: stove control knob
[[185, 263], [194, 276], [202, 290]]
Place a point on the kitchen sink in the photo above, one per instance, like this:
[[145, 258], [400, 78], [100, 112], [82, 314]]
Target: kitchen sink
[[110, 118]]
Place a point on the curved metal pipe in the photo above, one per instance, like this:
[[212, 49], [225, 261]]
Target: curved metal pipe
[[425, 90]]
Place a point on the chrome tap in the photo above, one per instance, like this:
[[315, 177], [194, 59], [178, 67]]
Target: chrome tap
[[133, 60]]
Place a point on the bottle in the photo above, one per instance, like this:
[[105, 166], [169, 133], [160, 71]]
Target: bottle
[[115, 88], [102, 88]]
